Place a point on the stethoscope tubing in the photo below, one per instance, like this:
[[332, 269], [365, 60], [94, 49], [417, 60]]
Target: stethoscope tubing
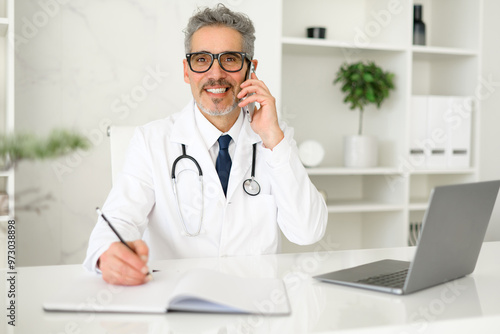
[[185, 156], [247, 184]]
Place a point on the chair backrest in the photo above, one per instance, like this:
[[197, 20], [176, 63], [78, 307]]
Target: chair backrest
[[119, 141]]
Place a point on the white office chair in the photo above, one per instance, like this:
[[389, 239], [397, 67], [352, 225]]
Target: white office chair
[[119, 141]]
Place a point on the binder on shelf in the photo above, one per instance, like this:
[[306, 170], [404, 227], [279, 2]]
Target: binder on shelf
[[437, 131], [460, 133], [440, 132], [418, 131]]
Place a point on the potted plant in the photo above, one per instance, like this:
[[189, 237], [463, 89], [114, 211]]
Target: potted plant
[[363, 84], [26, 146]]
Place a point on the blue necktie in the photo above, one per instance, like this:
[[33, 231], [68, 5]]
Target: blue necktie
[[223, 163]]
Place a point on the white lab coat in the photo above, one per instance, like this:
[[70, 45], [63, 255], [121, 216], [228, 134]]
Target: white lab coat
[[141, 204]]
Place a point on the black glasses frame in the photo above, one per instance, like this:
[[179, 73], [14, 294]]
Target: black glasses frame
[[216, 56]]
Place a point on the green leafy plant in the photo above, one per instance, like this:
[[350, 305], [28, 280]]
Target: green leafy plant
[[26, 146], [363, 84]]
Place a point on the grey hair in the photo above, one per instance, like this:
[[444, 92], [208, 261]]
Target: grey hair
[[221, 16]]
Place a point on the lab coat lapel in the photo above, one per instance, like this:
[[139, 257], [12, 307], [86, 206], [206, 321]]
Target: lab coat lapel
[[186, 132], [183, 129], [242, 160]]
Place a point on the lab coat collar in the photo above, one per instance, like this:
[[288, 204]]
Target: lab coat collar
[[185, 131], [184, 128], [210, 133]]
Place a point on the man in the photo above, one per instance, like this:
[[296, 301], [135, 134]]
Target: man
[[216, 214]]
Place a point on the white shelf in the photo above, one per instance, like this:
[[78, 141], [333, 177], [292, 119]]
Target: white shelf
[[301, 41], [6, 173], [386, 171], [435, 50], [356, 206], [4, 25], [443, 171], [352, 171], [362, 201], [418, 204]]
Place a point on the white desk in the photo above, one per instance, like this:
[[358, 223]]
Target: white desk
[[468, 305]]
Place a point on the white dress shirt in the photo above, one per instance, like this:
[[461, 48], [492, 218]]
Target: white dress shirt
[[210, 134]]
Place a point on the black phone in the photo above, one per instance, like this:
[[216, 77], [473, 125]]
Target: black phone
[[250, 108]]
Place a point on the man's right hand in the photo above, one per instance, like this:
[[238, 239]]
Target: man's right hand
[[119, 265]]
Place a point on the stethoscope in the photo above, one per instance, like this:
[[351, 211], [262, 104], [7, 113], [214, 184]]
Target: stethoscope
[[250, 186]]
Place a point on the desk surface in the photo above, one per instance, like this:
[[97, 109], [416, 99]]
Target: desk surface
[[470, 304]]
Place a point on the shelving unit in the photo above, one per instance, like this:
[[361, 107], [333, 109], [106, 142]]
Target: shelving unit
[[7, 176], [374, 207]]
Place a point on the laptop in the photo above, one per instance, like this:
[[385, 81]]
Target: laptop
[[452, 233]]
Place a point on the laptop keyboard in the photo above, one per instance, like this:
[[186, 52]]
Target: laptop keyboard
[[396, 279]]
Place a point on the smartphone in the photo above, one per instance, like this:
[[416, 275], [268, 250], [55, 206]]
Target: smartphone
[[250, 108]]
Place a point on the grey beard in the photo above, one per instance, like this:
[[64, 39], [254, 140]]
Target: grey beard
[[219, 112]]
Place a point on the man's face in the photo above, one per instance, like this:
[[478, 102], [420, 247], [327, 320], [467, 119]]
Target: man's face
[[215, 90]]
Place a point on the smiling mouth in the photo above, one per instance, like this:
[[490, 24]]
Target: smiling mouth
[[217, 90], [220, 86]]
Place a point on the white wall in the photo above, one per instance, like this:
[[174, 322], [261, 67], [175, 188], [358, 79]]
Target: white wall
[[81, 64], [76, 63], [490, 106]]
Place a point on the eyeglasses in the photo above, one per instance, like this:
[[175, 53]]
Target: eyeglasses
[[230, 61]]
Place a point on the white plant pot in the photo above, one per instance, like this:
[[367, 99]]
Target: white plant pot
[[360, 151]]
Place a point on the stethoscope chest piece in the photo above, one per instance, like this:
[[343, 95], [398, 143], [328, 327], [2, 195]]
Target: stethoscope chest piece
[[251, 187]]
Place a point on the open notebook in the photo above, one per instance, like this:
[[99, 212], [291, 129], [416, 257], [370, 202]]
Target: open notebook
[[197, 290]]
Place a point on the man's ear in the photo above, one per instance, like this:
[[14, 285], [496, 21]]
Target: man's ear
[[186, 69], [255, 63]]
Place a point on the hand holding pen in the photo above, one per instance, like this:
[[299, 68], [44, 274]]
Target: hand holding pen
[[124, 263]]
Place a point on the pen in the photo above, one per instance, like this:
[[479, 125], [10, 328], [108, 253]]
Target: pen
[[100, 213]]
